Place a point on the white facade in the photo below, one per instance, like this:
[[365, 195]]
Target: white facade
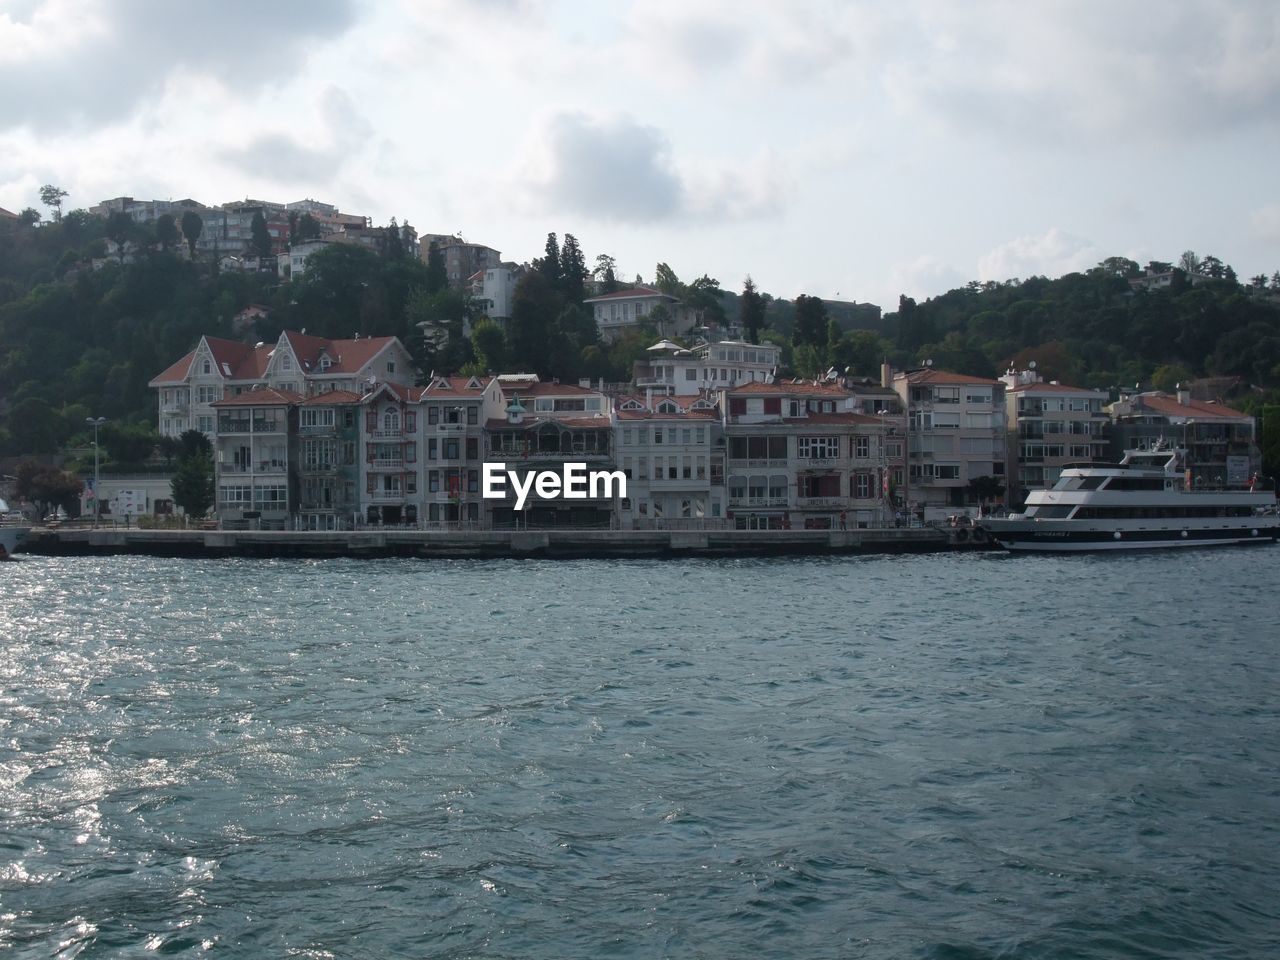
[[956, 426], [682, 372]]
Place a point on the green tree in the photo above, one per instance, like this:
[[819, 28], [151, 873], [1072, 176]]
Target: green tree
[[707, 300], [1189, 262], [984, 490], [192, 227], [437, 275], [573, 270], [665, 279], [260, 242], [489, 344], [193, 484], [52, 198], [1168, 376], [129, 443], [606, 272], [1271, 442], [392, 246], [119, 230], [751, 311], [48, 487], [549, 264], [34, 427], [810, 325], [166, 231]]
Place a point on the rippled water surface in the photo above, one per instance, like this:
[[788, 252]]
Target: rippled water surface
[[934, 757]]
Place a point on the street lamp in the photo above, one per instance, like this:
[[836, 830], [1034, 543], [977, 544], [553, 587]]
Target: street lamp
[[97, 484]]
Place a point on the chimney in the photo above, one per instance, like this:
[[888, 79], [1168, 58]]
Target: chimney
[[886, 375], [1184, 395]]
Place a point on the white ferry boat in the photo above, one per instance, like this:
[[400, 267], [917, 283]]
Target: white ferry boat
[[1141, 503], [13, 530]]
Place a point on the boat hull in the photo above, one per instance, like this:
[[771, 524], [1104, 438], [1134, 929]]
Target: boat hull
[[10, 537], [1073, 537]]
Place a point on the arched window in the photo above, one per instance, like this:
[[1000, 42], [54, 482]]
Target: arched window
[[391, 419]]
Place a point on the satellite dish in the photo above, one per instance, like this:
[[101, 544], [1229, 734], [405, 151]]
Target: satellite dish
[[929, 362], [1031, 365]]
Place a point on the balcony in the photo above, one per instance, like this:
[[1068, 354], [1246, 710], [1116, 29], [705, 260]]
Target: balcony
[[758, 463], [385, 497], [229, 426], [386, 463], [386, 434], [176, 408], [821, 502], [263, 467], [757, 501], [811, 462]]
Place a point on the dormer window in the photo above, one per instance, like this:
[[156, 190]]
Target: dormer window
[[286, 363], [208, 368], [325, 364]]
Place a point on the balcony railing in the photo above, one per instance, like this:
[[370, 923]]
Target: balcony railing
[[266, 466], [386, 462], [757, 501], [821, 501], [387, 434]]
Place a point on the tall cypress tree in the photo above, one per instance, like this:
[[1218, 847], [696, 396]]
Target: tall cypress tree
[[573, 270], [751, 311], [549, 265]]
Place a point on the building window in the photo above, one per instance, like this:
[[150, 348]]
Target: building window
[[862, 447]]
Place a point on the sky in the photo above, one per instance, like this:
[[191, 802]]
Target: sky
[[849, 150]]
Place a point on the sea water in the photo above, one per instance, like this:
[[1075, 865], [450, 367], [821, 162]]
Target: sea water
[[945, 756]]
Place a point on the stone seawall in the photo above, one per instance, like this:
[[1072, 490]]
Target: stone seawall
[[480, 544]]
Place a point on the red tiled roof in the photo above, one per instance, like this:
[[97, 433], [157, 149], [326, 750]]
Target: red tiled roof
[[176, 373], [234, 360], [635, 293], [789, 388], [442, 386], [332, 397], [946, 376], [542, 389], [1051, 388], [267, 396], [1170, 406], [348, 356]]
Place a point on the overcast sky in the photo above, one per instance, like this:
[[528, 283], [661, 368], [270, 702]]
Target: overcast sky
[[850, 149]]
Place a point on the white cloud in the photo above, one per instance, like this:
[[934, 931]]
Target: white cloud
[[1265, 222], [921, 277], [92, 62], [1052, 254], [615, 169]]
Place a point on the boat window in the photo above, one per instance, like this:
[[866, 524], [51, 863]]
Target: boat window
[[1057, 511], [1091, 483]]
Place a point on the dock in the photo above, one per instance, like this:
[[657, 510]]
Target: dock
[[483, 544]]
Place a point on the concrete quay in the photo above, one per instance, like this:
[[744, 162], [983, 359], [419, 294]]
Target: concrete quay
[[445, 544]]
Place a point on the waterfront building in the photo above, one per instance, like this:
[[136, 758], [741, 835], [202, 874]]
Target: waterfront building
[[452, 444], [799, 455], [531, 425], [637, 307], [671, 451], [390, 463], [687, 371], [295, 363], [255, 450], [1050, 425], [1221, 443], [956, 436], [328, 464]]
